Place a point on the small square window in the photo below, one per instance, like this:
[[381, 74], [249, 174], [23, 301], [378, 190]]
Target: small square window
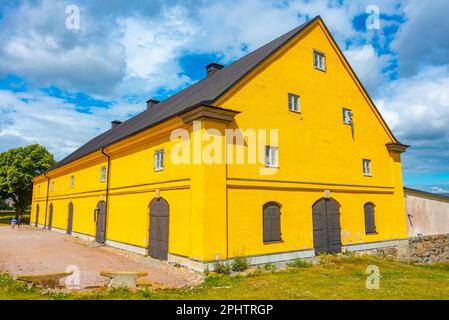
[[293, 103], [366, 167], [347, 116], [52, 186], [72, 181], [271, 157], [159, 160], [103, 174], [319, 60]]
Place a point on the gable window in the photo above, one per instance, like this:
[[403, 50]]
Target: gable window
[[367, 167], [271, 157], [319, 60], [293, 103], [39, 189], [52, 186], [72, 181], [159, 160], [347, 116], [271, 222], [103, 174], [370, 223]]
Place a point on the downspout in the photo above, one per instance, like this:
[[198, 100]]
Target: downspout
[[107, 187], [46, 201]]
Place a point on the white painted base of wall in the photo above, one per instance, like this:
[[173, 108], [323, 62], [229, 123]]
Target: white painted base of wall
[[374, 245], [83, 236], [127, 247], [62, 231], [252, 260]]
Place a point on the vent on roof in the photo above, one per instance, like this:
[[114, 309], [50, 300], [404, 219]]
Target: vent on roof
[[151, 103], [213, 67], [115, 123]]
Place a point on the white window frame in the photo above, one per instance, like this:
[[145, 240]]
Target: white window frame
[[52, 186], [294, 103], [321, 63], [367, 171], [103, 174], [271, 157], [159, 158], [72, 181], [347, 116]]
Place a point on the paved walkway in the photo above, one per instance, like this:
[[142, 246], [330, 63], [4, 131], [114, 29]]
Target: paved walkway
[[31, 250]]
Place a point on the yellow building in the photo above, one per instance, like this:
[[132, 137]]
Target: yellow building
[[280, 155]]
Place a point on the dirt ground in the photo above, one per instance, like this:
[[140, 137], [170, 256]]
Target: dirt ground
[[31, 251]]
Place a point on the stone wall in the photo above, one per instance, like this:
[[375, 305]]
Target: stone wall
[[428, 249], [425, 249]]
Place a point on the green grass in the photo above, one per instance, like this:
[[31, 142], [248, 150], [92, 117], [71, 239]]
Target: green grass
[[6, 218], [334, 278]]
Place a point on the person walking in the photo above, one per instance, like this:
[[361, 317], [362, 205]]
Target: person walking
[[19, 220]]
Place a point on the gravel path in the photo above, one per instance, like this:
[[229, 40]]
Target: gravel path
[[31, 250]]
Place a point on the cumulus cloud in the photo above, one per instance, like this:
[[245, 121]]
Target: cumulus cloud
[[34, 117], [423, 39], [417, 110]]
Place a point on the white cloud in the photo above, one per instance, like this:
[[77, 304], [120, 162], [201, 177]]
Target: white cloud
[[417, 110], [368, 66], [35, 117]]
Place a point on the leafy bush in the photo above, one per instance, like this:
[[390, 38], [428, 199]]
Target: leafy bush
[[298, 263], [222, 267], [239, 264]]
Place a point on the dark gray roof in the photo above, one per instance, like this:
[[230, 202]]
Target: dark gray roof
[[205, 91]]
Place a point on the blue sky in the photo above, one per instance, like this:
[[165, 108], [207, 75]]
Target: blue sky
[[60, 87]]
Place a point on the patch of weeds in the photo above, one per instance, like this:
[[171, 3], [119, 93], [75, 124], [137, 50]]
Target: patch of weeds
[[239, 264], [269, 267], [145, 293], [222, 268], [298, 263], [328, 258]]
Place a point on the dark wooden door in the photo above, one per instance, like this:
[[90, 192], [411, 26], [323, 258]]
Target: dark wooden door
[[36, 224], [159, 222], [70, 219], [50, 217], [326, 226], [100, 216]]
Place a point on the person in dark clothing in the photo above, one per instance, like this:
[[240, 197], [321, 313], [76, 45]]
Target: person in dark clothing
[[19, 220]]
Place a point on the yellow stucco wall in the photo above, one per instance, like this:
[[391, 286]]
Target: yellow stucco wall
[[216, 210]]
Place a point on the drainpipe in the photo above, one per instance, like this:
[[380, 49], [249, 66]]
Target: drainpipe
[[46, 200], [107, 186]]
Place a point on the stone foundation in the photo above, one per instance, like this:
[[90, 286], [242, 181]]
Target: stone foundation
[[428, 249]]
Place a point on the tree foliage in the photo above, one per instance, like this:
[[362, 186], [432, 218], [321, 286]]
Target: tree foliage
[[18, 167]]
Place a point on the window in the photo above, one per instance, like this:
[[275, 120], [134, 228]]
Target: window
[[319, 61], [293, 103], [39, 189], [72, 181], [52, 186], [271, 157], [159, 160], [370, 224], [271, 222], [366, 167], [103, 174], [347, 116]]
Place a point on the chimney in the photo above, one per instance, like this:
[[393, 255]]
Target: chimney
[[151, 103], [212, 68], [115, 123]]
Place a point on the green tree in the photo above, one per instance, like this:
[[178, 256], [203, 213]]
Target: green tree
[[18, 167]]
